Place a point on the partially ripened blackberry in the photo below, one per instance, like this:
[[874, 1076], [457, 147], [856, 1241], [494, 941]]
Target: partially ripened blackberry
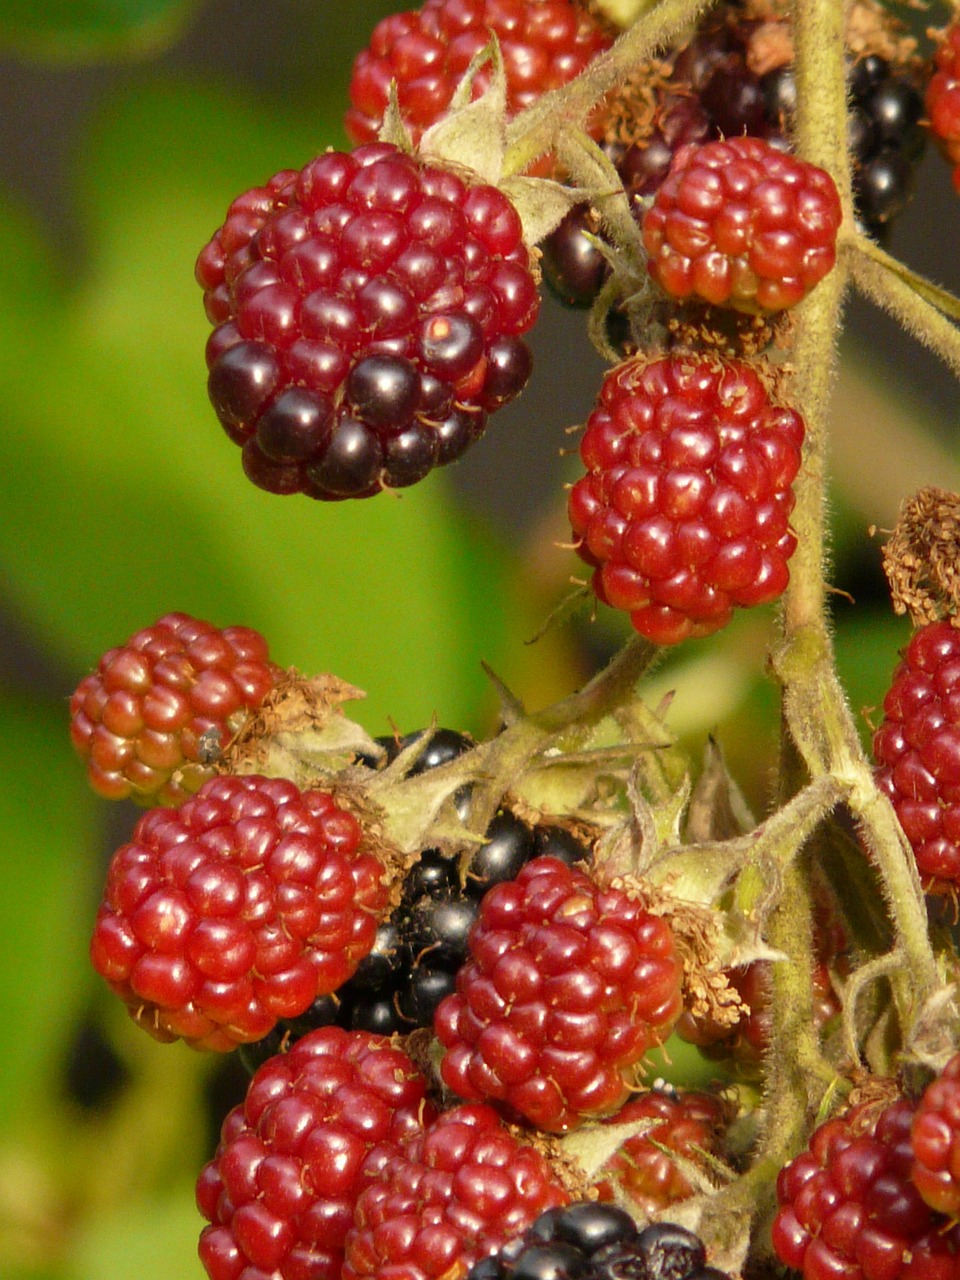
[[594, 1241], [369, 312]]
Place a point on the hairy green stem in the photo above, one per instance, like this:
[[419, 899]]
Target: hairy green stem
[[533, 131], [505, 757]]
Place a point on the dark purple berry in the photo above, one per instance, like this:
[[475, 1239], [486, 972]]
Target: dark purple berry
[[573, 266], [295, 427], [384, 391], [241, 382]]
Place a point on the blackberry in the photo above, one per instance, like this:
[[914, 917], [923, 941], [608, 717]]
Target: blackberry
[[369, 314], [594, 1241], [573, 266]]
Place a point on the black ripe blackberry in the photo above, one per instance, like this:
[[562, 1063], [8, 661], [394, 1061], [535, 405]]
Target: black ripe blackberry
[[884, 131], [593, 1241]]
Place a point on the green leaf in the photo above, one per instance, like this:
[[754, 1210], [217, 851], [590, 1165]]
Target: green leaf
[[153, 1239], [82, 30], [46, 895]]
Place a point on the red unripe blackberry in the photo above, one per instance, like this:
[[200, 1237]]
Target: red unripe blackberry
[[236, 910], [317, 1125], [942, 100], [935, 1138], [144, 720], [456, 1194], [849, 1210], [684, 511], [369, 312], [917, 749], [740, 223], [688, 1124], [426, 52], [567, 986]]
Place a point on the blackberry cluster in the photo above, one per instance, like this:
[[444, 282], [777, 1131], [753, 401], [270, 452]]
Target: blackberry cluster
[[886, 134], [420, 947], [711, 94], [594, 1241], [369, 312]]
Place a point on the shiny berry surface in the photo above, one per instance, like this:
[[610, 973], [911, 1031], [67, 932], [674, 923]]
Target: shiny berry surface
[[368, 313], [427, 50], [157, 711], [935, 1138], [684, 511], [236, 910], [848, 1206], [457, 1193], [942, 100], [280, 1192], [591, 1240], [566, 988], [917, 750], [742, 224]]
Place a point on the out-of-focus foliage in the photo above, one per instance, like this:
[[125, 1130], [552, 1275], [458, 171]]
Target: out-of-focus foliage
[[72, 30]]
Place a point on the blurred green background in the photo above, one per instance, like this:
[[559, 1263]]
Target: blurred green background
[[126, 126]]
